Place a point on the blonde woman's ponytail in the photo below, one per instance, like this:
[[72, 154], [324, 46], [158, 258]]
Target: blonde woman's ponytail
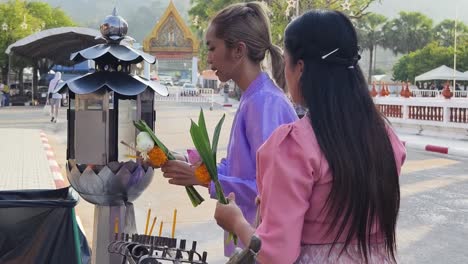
[[277, 63]]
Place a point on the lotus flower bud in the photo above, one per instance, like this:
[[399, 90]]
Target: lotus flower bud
[[144, 142], [193, 156]]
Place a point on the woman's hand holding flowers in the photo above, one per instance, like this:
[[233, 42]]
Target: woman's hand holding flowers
[[157, 155], [180, 173], [228, 215]]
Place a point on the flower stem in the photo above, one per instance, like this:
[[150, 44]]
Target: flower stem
[[194, 196]]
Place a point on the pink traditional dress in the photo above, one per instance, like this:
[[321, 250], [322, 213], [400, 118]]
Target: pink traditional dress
[[294, 180]]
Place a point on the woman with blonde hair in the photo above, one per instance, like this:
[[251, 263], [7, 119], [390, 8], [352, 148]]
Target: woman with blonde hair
[[238, 39]]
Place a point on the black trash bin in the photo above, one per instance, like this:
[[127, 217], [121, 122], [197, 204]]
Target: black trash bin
[[39, 226]]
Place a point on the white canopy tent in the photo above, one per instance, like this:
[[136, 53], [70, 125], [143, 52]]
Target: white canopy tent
[[381, 78], [442, 73]]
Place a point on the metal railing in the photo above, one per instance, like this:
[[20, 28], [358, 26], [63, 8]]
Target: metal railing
[[178, 94], [450, 113], [436, 93]]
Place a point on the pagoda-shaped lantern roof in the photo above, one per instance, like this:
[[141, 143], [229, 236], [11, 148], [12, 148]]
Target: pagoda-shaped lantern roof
[[113, 61]]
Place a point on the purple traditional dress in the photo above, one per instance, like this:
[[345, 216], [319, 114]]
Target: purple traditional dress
[[263, 107]]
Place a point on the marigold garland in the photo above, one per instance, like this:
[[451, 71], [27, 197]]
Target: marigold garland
[[202, 174], [157, 157]]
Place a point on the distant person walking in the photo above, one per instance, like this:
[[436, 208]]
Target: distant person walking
[[6, 94], [226, 92], [54, 99], [1, 94]]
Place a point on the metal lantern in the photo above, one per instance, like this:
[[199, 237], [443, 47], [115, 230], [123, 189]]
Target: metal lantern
[[102, 107]]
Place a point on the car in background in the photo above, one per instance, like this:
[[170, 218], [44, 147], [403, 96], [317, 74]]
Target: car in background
[[18, 98], [15, 88], [166, 80], [181, 82], [41, 94], [189, 89]]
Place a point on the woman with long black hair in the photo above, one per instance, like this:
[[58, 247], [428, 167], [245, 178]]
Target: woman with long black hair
[[328, 183]]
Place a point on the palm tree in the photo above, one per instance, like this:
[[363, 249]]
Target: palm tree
[[409, 32], [370, 34], [444, 32]]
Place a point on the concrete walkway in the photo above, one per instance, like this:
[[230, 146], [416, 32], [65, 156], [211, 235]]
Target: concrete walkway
[[24, 163]]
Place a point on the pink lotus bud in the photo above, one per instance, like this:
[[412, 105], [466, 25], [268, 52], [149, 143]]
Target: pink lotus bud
[[193, 156]]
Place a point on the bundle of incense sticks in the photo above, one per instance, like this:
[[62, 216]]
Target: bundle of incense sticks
[[150, 232]]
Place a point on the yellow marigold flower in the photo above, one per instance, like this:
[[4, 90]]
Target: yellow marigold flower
[[157, 157], [202, 174]]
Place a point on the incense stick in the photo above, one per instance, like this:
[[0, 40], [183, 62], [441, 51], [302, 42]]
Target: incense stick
[[147, 221], [152, 226], [116, 225], [174, 222], [160, 228], [129, 146]]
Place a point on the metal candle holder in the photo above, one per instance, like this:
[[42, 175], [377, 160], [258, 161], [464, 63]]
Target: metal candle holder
[[143, 249]]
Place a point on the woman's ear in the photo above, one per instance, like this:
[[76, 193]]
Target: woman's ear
[[300, 68], [240, 50]]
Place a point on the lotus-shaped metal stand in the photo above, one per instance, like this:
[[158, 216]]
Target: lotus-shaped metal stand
[[113, 184]]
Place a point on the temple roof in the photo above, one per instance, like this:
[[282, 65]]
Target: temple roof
[[171, 34]]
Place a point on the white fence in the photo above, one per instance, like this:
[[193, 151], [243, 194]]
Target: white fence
[[435, 93], [415, 92], [177, 94], [436, 112]]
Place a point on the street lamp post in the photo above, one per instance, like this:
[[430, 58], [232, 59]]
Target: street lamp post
[[456, 35], [5, 28], [455, 51], [297, 8]]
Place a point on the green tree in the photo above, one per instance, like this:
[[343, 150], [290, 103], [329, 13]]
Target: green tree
[[49, 17], [408, 32], [19, 19], [462, 53], [355, 10], [279, 18], [16, 23], [426, 59], [444, 32], [370, 34]]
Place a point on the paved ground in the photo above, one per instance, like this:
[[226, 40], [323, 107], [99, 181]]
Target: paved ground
[[433, 224], [17, 159]]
